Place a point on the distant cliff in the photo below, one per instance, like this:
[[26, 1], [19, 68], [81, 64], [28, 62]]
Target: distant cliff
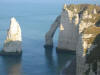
[[80, 31]]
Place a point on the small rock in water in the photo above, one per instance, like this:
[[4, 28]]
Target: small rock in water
[[13, 41]]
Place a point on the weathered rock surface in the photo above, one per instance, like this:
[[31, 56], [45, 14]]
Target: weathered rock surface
[[87, 52], [68, 34], [12, 44], [87, 17], [49, 35], [80, 30]]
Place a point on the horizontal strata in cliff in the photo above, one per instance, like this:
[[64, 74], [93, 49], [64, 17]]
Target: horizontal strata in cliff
[[12, 44]]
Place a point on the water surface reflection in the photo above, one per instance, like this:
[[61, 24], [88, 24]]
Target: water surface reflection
[[56, 61], [11, 65], [50, 61]]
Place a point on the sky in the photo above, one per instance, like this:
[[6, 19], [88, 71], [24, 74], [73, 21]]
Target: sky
[[51, 1]]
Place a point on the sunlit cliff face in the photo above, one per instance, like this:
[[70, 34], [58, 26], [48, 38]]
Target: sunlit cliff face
[[86, 17], [14, 32], [14, 38], [72, 14], [61, 27]]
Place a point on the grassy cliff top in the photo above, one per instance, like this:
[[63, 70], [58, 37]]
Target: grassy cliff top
[[92, 30], [94, 40], [95, 19], [91, 10], [80, 7]]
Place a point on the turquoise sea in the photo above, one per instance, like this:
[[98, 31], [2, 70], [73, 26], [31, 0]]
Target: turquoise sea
[[35, 19]]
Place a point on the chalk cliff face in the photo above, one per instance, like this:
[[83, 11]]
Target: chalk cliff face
[[68, 34], [49, 35], [87, 17], [80, 31], [14, 38], [87, 51]]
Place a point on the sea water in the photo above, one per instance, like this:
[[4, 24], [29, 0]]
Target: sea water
[[35, 20]]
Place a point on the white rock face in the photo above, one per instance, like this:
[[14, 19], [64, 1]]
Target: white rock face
[[85, 43], [68, 34], [84, 25], [80, 55], [79, 32], [14, 38], [49, 35], [72, 14], [94, 11]]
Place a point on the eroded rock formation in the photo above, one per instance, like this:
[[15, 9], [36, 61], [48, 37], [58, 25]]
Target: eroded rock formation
[[49, 35], [87, 51], [13, 41], [68, 34], [80, 30]]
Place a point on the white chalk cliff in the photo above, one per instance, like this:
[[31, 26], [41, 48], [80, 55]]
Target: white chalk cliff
[[68, 34], [14, 38], [87, 51], [49, 35], [80, 31]]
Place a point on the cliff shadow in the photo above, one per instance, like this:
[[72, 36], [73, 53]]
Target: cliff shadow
[[66, 63], [70, 67], [11, 65], [50, 62], [94, 56], [49, 52], [60, 63]]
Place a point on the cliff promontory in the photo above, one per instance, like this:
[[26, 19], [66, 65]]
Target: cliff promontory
[[80, 31]]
